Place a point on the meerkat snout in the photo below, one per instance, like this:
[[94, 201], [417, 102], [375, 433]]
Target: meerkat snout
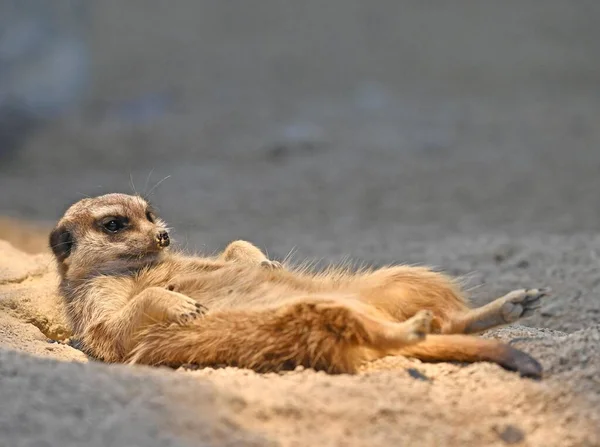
[[162, 238]]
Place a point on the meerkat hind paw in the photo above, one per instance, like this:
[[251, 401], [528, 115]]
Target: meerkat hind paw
[[420, 324], [521, 303]]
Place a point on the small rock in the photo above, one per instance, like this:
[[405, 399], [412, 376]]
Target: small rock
[[499, 257], [416, 374], [511, 434]]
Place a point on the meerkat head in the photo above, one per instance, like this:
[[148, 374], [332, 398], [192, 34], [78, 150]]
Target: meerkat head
[[107, 233]]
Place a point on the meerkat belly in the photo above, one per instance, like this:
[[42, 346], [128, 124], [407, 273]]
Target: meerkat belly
[[244, 293], [248, 287]]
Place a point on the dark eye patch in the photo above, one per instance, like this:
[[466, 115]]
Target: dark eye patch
[[150, 216]]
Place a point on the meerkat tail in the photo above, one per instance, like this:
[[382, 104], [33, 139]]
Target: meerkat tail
[[464, 348]]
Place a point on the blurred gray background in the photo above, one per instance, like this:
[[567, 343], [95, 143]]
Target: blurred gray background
[[379, 130]]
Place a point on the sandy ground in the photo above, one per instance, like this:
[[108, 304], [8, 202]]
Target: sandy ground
[[62, 399], [456, 136]]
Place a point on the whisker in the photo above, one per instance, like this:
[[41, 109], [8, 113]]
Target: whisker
[[132, 184], [156, 186], [145, 194]]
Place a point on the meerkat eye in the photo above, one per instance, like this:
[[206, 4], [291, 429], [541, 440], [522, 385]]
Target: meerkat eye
[[113, 224], [150, 216]]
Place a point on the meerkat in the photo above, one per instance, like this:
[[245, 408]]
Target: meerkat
[[131, 299]]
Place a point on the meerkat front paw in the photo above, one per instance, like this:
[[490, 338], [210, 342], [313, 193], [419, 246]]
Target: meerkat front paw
[[185, 310], [271, 265]]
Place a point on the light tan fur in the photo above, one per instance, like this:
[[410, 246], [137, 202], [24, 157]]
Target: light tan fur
[[129, 299]]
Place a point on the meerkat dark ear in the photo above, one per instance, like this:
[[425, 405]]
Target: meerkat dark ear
[[61, 242]]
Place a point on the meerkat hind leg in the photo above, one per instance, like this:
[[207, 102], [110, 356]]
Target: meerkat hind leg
[[504, 310], [244, 251], [318, 333]]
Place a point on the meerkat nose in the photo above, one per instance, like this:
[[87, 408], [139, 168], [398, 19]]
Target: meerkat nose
[[162, 238]]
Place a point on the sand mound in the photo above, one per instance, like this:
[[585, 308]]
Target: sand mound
[[63, 399]]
